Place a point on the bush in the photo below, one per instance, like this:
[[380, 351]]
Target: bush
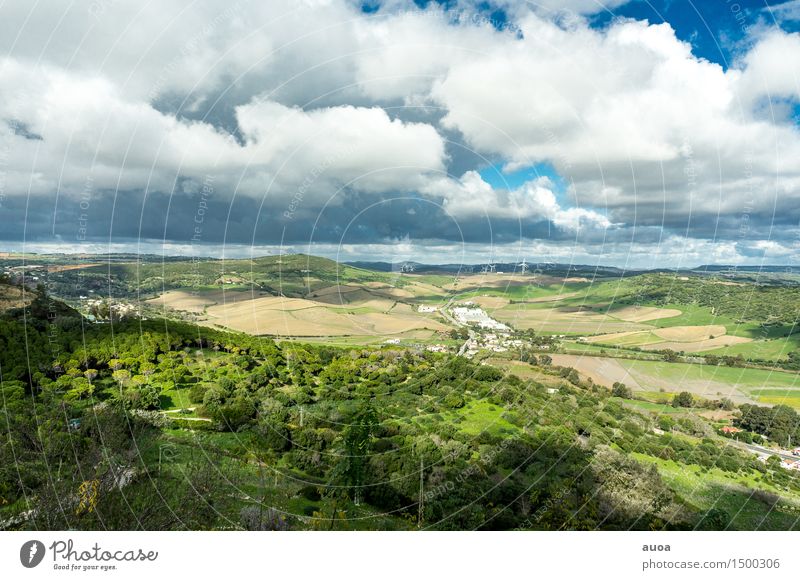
[[453, 401], [275, 435], [197, 392], [683, 399], [621, 390], [146, 397]]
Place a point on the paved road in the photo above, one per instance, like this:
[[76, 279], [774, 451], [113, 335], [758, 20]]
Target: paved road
[[446, 314], [762, 450]]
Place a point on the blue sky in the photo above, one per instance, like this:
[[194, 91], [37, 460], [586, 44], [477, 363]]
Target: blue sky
[[714, 28]]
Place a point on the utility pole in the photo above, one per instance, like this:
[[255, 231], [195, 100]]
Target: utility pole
[[421, 494]]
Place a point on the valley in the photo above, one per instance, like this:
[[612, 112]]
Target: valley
[[264, 366]]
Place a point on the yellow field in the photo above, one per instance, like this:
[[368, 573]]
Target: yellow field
[[644, 313], [677, 338], [563, 320], [196, 302], [700, 345], [332, 314], [690, 333]]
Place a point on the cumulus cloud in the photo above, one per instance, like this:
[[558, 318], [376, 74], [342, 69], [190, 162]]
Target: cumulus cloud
[[471, 196], [771, 70], [88, 129], [351, 109]]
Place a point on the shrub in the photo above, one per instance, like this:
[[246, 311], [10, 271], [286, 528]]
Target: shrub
[[621, 390], [683, 399], [197, 392]]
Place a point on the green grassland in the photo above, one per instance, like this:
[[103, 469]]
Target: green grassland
[[741, 377], [707, 489]]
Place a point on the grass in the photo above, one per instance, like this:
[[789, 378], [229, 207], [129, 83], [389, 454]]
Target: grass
[[658, 397], [740, 377], [175, 398], [692, 315], [481, 416], [703, 489], [517, 291], [778, 396], [771, 349]]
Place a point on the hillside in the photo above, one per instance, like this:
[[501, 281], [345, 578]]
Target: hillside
[[152, 423], [292, 275], [12, 297]]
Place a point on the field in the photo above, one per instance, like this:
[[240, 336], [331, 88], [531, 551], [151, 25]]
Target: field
[[741, 385], [337, 311]]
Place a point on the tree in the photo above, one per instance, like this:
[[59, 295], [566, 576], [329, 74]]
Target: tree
[[683, 399], [670, 355], [621, 390], [356, 444], [122, 377], [145, 397]]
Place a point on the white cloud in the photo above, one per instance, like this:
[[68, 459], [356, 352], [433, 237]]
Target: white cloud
[[634, 122], [772, 69], [90, 130], [788, 11], [471, 196]]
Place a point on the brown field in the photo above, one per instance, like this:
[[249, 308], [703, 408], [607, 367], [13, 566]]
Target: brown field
[[718, 415], [643, 313], [68, 267], [700, 345], [690, 333], [490, 302], [196, 302], [605, 371], [337, 311], [563, 320], [300, 317], [611, 336]]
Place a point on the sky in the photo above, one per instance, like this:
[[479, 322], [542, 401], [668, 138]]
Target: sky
[[626, 133]]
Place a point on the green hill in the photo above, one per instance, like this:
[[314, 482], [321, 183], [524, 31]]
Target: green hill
[[292, 275]]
